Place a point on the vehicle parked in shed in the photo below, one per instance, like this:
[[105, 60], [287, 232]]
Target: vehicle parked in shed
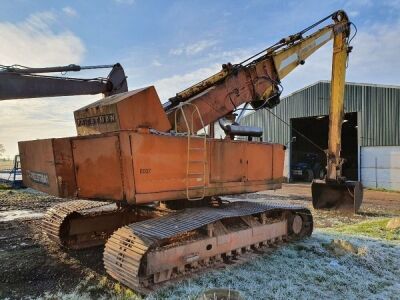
[[310, 167]]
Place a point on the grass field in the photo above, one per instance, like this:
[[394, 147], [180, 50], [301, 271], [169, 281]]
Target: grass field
[[6, 164]]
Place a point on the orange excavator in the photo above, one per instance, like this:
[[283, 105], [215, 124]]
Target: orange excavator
[[147, 178]]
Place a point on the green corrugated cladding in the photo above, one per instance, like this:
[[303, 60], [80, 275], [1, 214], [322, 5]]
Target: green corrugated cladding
[[379, 108]]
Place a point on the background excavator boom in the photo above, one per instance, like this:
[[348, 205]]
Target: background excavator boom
[[18, 82]]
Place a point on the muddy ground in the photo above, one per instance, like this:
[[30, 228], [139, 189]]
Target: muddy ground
[[33, 267]]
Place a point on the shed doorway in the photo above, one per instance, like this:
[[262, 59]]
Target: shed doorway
[[307, 162]]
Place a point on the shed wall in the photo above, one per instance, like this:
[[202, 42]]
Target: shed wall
[[379, 108], [381, 167]]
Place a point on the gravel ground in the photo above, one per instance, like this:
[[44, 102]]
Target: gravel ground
[[351, 256]]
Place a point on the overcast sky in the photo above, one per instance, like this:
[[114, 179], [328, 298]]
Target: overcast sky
[[172, 44]]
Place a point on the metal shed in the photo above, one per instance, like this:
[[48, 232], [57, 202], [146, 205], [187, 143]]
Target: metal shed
[[377, 113]]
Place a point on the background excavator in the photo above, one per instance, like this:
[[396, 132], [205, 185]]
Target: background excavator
[[164, 170]]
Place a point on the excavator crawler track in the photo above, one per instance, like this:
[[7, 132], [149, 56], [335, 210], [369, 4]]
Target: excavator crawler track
[[146, 255], [81, 224]]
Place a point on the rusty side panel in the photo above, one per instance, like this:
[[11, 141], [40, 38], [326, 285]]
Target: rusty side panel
[[38, 167], [225, 152], [48, 166], [64, 164], [278, 158], [127, 166], [159, 162], [259, 161], [98, 167]]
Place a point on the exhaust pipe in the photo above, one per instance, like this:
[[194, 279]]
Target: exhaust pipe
[[345, 196]]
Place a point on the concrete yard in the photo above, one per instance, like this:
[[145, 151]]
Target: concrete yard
[[348, 256]]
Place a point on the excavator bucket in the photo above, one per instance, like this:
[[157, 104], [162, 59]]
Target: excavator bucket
[[346, 196]]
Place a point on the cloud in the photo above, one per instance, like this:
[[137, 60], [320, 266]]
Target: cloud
[[39, 21], [156, 63], [69, 11], [194, 48], [169, 86], [199, 46], [35, 42], [375, 55], [233, 56], [353, 13], [30, 119], [176, 51]]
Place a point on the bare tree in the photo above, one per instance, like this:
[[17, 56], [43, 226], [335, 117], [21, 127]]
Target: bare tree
[[2, 150]]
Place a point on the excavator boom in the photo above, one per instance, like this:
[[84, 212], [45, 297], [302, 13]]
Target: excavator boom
[[335, 192], [18, 82]]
